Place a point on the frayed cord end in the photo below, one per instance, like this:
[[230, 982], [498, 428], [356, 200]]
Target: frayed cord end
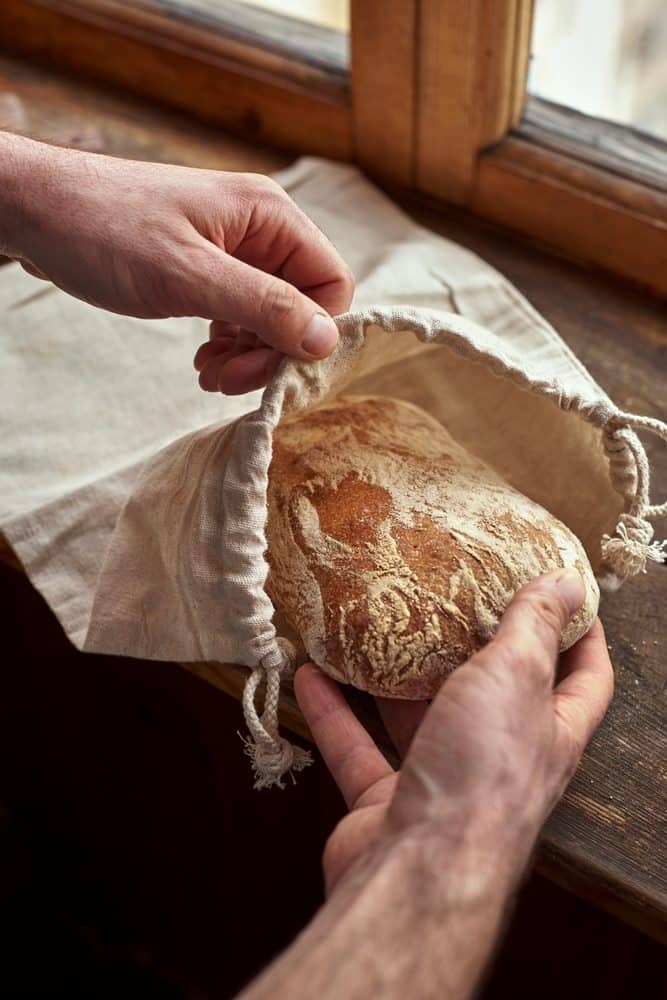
[[628, 551], [272, 757], [271, 760]]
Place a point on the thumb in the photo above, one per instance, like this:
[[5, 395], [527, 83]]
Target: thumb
[[528, 637], [268, 306]]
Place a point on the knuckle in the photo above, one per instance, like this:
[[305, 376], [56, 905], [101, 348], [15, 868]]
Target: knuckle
[[548, 614], [544, 613], [278, 301], [264, 187], [532, 643], [258, 197]]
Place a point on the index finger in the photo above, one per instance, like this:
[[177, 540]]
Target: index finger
[[349, 752], [313, 264], [284, 241], [582, 698]]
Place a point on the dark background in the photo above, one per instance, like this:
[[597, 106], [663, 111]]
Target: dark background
[[137, 861]]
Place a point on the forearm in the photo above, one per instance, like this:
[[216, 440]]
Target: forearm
[[417, 917]]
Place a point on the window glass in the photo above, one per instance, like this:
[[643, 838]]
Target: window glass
[[606, 58], [315, 32], [327, 13]]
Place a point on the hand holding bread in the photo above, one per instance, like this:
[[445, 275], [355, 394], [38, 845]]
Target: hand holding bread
[[394, 552]]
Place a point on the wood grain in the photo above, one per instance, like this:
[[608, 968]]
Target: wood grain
[[605, 841], [252, 101], [384, 87], [305, 54], [523, 27], [618, 149], [502, 51], [472, 63], [576, 209], [582, 187], [65, 110]]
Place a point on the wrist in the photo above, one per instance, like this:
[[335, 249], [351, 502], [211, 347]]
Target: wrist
[[467, 864], [489, 846], [417, 915], [30, 180], [450, 889], [17, 163]]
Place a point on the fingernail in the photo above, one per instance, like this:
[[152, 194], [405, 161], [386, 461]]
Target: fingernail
[[570, 586], [321, 336]]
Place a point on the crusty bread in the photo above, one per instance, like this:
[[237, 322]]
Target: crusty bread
[[393, 552]]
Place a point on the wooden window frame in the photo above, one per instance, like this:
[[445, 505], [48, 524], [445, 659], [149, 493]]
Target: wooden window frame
[[435, 102], [235, 76]]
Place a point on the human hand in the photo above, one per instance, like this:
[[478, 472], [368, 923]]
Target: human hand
[[152, 240], [491, 755]]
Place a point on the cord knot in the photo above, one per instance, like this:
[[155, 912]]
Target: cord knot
[[630, 548], [272, 759]]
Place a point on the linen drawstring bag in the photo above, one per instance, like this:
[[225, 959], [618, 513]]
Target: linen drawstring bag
[[189, 546]]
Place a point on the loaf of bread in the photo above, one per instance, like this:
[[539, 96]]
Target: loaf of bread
[[393, 551]]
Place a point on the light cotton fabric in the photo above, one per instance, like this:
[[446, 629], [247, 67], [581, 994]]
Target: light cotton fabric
[[154, 551]]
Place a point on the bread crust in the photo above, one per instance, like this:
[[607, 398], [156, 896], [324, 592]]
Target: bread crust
[[393, 552]]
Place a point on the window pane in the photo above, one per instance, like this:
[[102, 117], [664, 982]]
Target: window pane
[[328, 13], [325, 13], [312, 32], [606, 58]]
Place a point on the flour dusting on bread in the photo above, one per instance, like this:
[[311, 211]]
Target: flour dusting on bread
[[393, 551]]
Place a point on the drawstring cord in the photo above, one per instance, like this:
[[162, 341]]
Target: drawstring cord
[[271, 755], [631, 547]]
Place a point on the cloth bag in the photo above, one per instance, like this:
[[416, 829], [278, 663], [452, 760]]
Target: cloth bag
[[87, 398], [190, 543]]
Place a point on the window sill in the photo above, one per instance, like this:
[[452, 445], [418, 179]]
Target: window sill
[[291, 99]]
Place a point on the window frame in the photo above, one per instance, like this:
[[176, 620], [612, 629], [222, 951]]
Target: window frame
[[235, 79], [434, 103], [471, 145]]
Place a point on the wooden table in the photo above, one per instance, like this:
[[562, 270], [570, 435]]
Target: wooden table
[[606, 839]]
